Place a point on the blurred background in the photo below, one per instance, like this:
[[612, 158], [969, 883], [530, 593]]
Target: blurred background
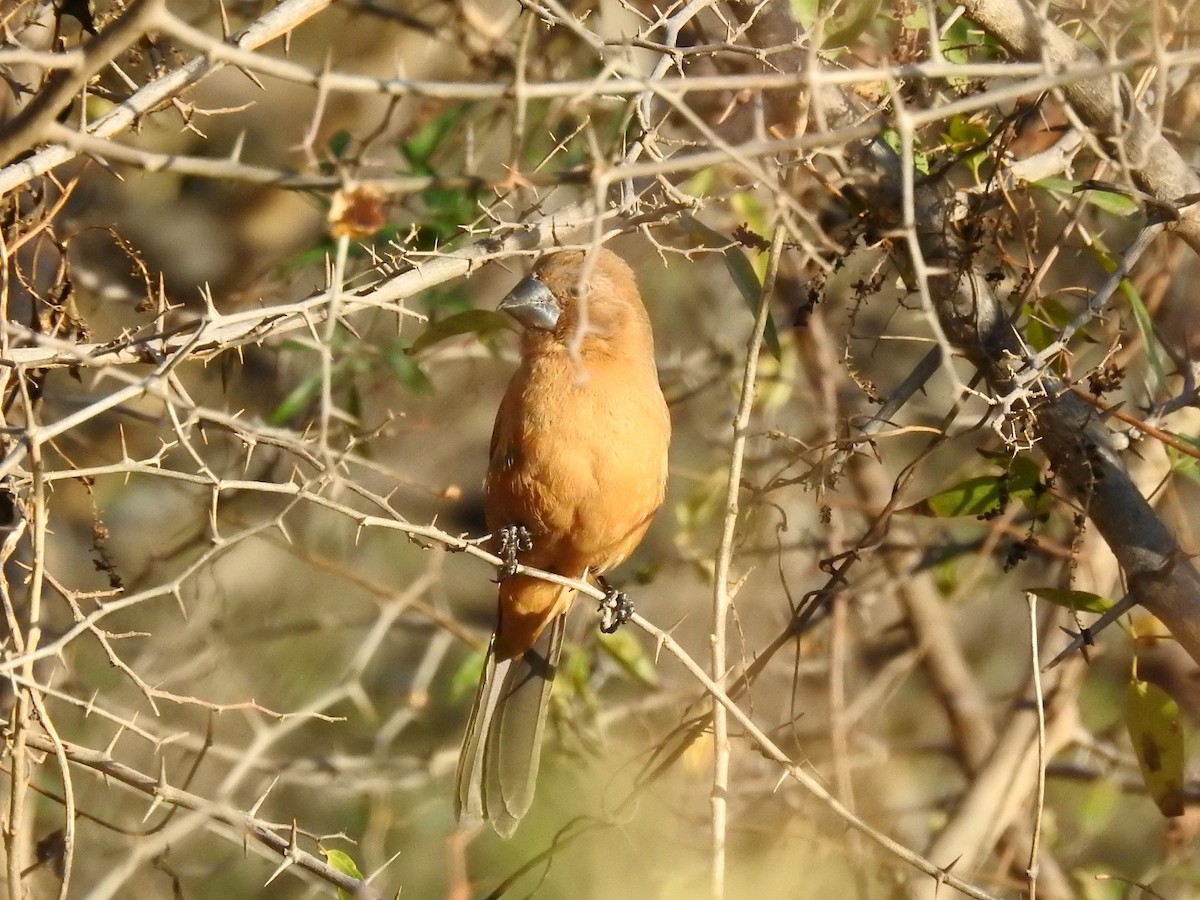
[[240, 578]]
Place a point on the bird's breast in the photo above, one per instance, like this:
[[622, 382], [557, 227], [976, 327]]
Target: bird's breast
[[579, 458]]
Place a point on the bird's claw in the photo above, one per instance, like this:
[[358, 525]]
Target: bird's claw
[[514, 539], [615, 609]]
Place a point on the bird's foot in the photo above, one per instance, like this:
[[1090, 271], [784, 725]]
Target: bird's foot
[[615, 609], [514, 539]]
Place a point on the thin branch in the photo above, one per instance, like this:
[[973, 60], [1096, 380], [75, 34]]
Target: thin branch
[[940, 875], [1156, 165], [28, 126], [239, 822]]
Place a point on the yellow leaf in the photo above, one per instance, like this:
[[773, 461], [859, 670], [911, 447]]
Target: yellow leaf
[[1157, 737]]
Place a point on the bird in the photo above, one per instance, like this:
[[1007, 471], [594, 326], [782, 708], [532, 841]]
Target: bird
[[577, 469]]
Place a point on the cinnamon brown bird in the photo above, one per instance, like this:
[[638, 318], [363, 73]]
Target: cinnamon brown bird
[[578, 467]]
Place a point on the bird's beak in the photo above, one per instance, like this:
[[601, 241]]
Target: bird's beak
[[532, 304]]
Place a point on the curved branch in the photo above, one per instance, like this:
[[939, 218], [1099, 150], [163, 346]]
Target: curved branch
[[27, 127], [242, 823], [1071, 434], [1155, 164]]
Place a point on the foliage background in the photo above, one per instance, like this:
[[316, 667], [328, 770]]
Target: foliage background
[[250, 372]]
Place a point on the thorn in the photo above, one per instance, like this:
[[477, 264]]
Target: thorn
[[108, 751], [736, 587], [259, 801], [235, 154], [1087, 636], [206, 295], [287, 861], [289, 857], [158, 790]]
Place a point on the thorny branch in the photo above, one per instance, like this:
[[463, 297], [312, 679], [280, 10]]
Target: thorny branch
[[731, 111]]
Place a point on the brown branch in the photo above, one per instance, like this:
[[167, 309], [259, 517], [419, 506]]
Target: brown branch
[[28, 126], [1154, 163], [973, 320]]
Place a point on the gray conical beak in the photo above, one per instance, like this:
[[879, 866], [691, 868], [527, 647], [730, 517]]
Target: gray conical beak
[[532, 304]]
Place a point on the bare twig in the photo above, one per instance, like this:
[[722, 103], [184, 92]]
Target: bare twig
[[239, 823]]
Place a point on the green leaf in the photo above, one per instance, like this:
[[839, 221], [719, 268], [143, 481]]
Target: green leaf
[[946, 576], [1044, 321], [1083, 601], [338, 143], [701, 183], [575, 670], [420, 146], [957, 41], [1025, 485], [1157, 737], [465, 678], [891, 137], [751, 211], [1116, 204], [700, 505], [1145, 326], [1055, 185], [625, 649], [973, 497], [986, 494], [806, 11], [1111, 202], [342, 862], [1101, 800], [1182, 463], [297, 401], [962, 135], [407, 371], [440, 302], [852, 18], [354, 402], [481, 322], [740, 270]]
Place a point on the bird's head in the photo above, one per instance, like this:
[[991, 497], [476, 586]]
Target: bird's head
[[556, 305]]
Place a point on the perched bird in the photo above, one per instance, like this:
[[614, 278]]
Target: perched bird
[[578, 468]]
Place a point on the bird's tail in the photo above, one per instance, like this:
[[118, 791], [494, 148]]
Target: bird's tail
[[498, 764]]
